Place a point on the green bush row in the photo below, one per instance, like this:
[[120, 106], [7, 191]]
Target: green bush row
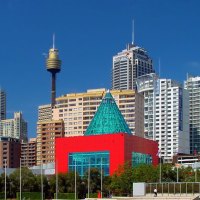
[[29, 195], [65, 195]]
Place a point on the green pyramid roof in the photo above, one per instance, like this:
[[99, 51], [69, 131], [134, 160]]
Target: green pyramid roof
[[108, 119]]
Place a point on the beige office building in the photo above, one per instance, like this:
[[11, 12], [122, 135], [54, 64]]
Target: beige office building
[[44, 113], [77, 110], [47, 131]]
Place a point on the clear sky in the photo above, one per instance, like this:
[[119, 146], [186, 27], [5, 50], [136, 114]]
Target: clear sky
[[88, 34]]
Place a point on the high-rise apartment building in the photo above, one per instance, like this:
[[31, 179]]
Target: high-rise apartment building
[[15, 128], [78, 109], [166, 114], [148, 85], [128, 65], [47, 131], [9, 152], [192, 84], [45, 113], [28, 153], [2, 105]]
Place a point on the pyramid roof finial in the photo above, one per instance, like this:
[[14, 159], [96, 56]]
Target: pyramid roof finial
[[108, 118]]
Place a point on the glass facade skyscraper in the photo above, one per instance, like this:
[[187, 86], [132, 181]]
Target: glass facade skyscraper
[[128, 65], [2, 105], [192, 84]]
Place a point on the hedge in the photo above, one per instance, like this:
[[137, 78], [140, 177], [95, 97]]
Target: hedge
[[29, 195], [65, 195], [2, 195]]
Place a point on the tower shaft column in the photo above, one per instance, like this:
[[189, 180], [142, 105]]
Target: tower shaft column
[[53, 89]]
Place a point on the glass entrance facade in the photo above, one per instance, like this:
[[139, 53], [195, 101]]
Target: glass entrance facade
[[85, 160], [140, 158]]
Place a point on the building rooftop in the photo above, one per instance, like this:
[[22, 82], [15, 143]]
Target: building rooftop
[[108, 119]]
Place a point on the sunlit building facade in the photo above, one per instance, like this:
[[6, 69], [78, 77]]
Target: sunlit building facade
[[47, 131], [28, 153], [111, 144], [166, 114], [77, 110]]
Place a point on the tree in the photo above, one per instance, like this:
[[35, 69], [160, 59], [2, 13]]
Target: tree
[[28, 180], [121, 181]]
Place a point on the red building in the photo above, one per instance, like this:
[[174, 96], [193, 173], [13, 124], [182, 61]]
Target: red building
[[107, 143], [119, 145]]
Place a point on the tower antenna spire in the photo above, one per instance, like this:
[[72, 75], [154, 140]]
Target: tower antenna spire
[[54, 41], [133, 30], [159, 68]]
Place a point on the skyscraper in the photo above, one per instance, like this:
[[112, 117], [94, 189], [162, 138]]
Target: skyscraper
[[166, 114], [2, 105], [129, 64], [14, 128], [192, 84]]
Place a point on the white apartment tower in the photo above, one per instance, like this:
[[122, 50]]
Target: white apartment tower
[[192, 84], [14, 128], [128, 65], [148, 85], [166, 114], [2, 105]]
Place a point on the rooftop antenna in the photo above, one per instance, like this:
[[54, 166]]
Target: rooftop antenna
[[159, 70], [133, 31], [54, 41]]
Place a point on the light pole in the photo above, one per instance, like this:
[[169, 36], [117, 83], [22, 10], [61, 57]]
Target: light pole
[[41, 180], [101, 178], [195, 171], [56, 179], [177, 174], [75, 180], [20, 179], [160, 169], [5, 176], [89, 178]]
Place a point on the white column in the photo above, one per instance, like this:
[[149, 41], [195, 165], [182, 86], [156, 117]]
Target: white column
[[41, 180], [89, 179], [56, 179], [75, 179], [5, 176], [101, 178]]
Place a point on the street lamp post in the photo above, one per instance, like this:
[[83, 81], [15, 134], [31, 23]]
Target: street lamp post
[[41, 180], [89, 179], [75, 180], [56, 179], [20, 179], [101, 178], [5, 176]]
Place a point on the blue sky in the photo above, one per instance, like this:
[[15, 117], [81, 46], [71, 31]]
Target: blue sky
[[88, 34]]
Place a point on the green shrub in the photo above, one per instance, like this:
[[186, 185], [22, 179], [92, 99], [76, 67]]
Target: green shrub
[[2, 195], [29, 195], [65, 195], [93, 195]]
